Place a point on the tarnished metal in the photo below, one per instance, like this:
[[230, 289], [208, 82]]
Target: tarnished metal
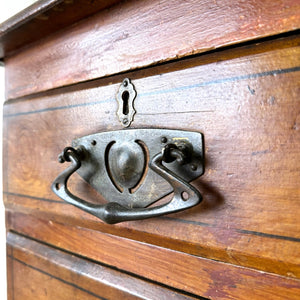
[[125, 98], [116, 165]]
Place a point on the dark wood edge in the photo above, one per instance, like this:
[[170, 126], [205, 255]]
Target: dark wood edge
[[26, 15], [42, 18]]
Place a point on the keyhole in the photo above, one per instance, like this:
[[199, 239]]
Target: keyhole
[[125, 98]]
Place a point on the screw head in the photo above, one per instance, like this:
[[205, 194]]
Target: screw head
[[125, 122], [193, 167], [125, 82], [164, 139]]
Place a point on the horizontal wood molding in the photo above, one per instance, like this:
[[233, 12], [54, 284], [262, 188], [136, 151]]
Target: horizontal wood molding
[[135, 34], [50, 271], [245, 101], [175, 269]]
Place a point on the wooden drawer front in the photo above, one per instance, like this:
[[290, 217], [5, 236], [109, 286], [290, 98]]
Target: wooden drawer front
[[246, 103], [135, 34], [37, 271]]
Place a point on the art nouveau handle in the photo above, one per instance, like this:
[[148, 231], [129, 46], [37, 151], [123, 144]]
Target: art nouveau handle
[[185, 195]]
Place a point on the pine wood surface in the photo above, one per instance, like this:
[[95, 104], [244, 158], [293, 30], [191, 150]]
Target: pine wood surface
[[244, 100], [55, 274], [196, 275], [135, 34]]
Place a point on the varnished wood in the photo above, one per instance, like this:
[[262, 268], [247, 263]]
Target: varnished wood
[[228, 69], [250, 165], [136, 34], [54, 274], [200, 276], [42, 18], [9, 270]]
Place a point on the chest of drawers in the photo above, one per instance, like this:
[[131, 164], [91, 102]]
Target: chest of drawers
[[226, 69]]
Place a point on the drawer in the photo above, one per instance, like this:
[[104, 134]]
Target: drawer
[[245, 102]]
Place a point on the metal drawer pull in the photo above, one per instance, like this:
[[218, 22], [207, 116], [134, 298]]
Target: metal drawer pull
[[130, 202]]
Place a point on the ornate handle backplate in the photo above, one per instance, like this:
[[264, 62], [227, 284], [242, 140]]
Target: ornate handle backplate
[[116, 164]]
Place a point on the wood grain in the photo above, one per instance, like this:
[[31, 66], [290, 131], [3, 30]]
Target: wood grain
[[208, 278], [135, 34], [245, 101], [42, 18], [54, 274], [9, 270]]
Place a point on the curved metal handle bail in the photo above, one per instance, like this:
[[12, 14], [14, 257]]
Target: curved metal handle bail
[[185, 195]]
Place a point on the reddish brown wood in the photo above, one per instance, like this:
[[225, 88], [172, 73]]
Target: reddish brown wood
[[196, 275], [136, 34], [42, 18], [54, 274], [38, 285], [243, 241], [9, 269], [248, 216]]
